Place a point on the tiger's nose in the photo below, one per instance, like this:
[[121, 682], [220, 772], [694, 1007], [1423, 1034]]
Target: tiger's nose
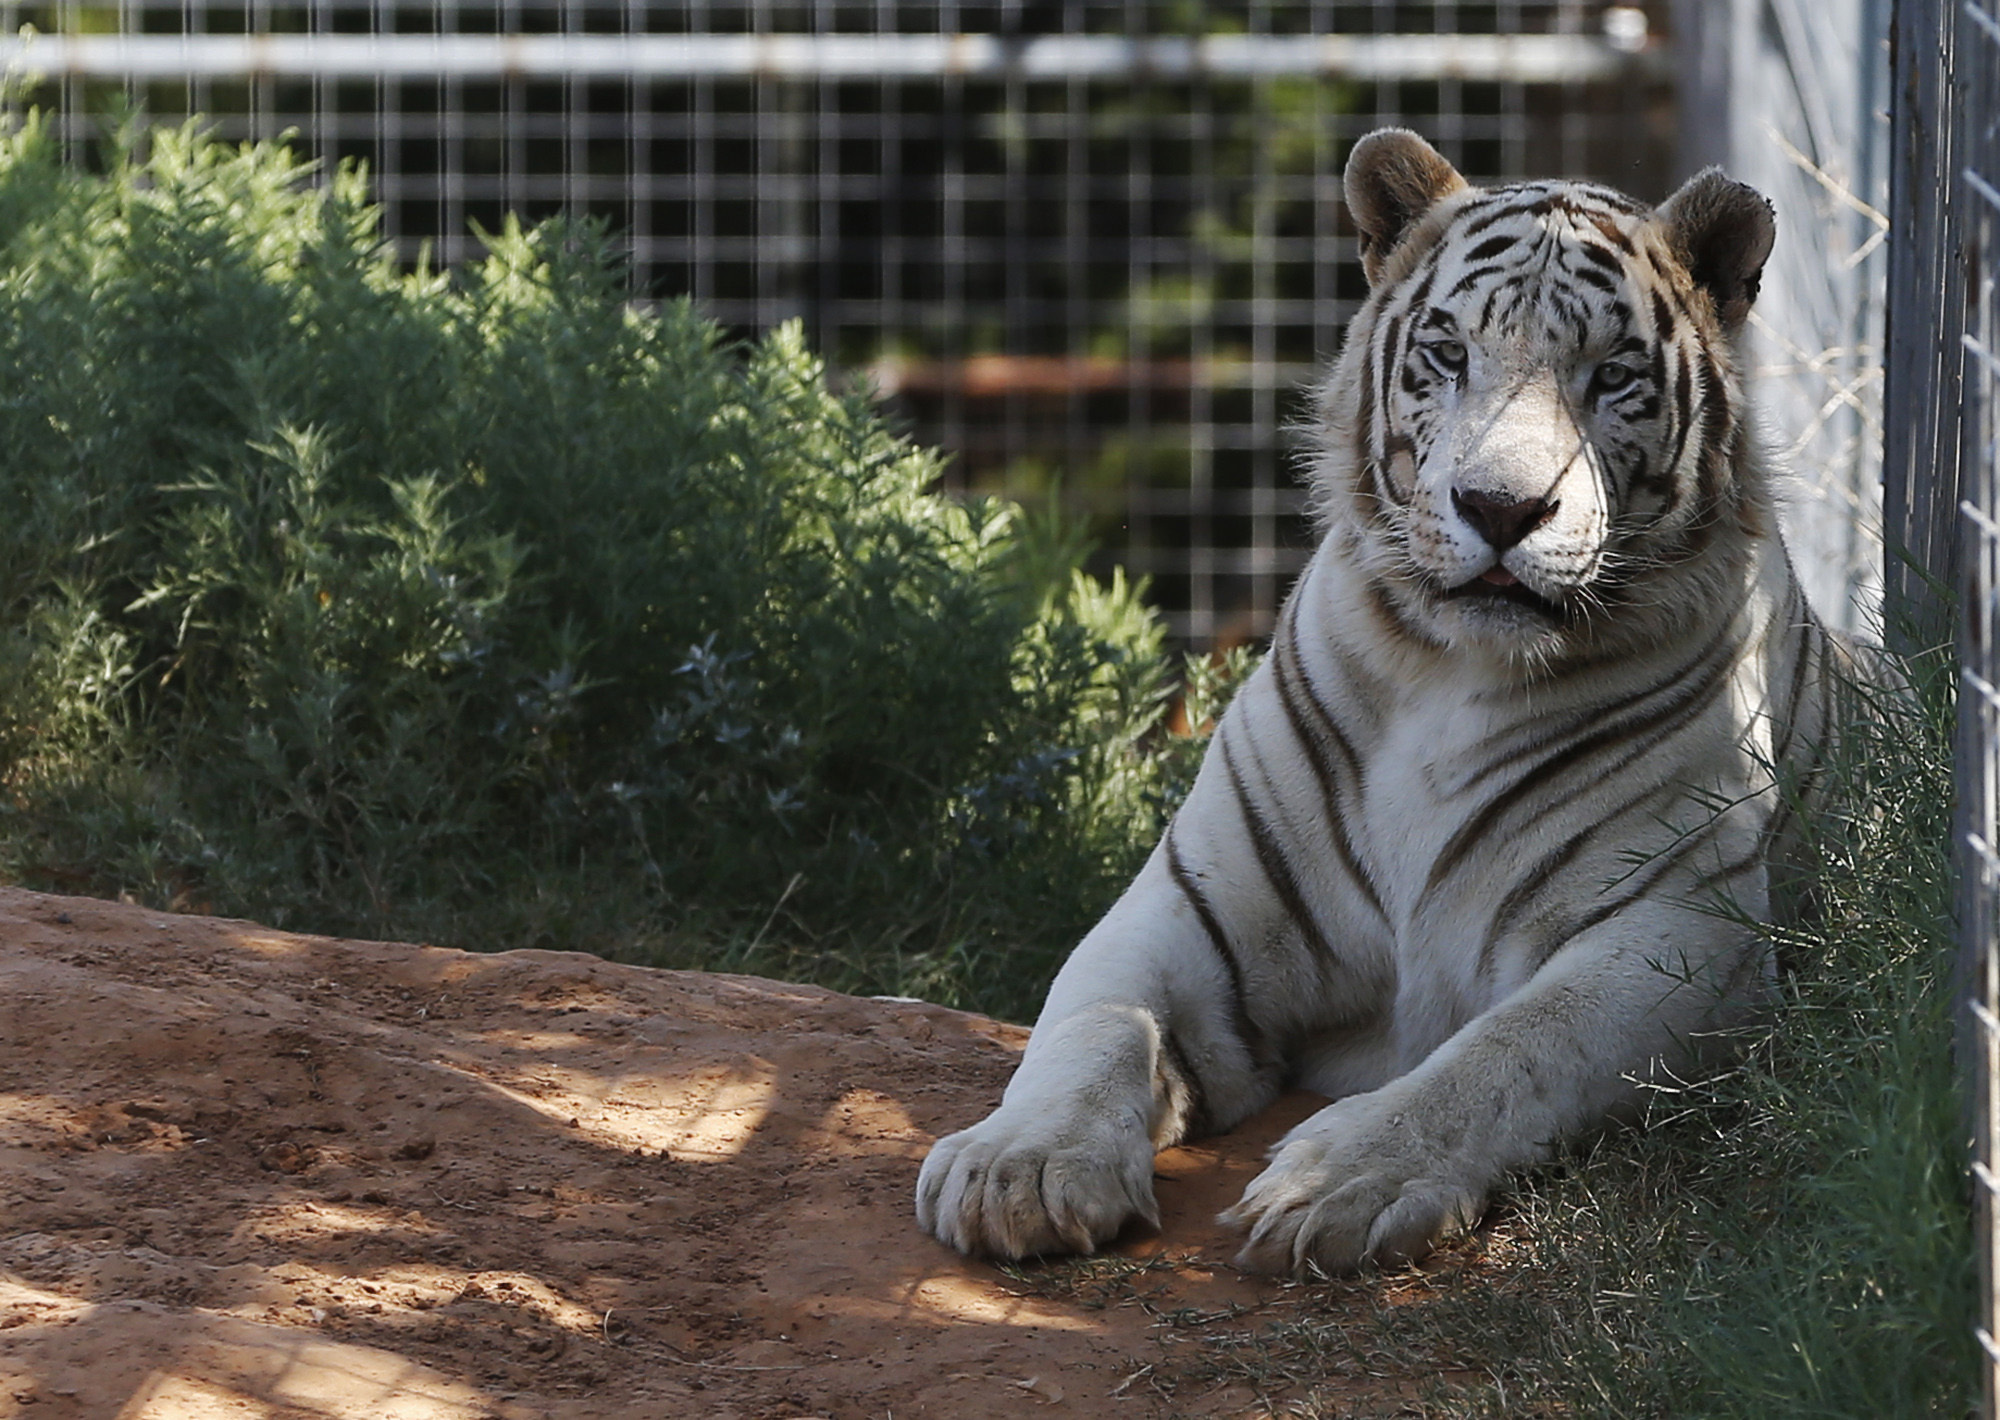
[[1501, 520]]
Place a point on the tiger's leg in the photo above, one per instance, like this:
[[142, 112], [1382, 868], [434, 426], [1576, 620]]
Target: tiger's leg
[[1136, 1044], [1383, 1176]]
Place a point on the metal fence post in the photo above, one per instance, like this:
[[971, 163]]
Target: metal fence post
[[1926, 317], [1973, 181], [1942, 495]]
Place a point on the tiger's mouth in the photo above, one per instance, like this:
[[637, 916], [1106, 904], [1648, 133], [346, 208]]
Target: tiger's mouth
[[1500, 586]]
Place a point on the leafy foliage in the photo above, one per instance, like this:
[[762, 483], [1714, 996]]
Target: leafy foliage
[[487, 608]]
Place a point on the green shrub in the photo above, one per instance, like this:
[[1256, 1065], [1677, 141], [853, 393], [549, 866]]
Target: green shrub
[[486, 608]]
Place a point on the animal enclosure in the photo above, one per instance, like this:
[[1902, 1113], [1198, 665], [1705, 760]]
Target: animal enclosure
[[1092, 250]]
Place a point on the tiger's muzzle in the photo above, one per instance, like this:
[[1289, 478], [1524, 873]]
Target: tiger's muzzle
[[1510, 508]]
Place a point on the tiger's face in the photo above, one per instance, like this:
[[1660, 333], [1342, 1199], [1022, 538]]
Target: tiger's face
[[1535, 435]]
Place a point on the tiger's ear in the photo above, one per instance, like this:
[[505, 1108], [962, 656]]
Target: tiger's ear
[[1722, 232], [1393, 178]]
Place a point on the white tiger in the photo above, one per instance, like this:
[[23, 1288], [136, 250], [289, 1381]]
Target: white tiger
[[1453, 853]]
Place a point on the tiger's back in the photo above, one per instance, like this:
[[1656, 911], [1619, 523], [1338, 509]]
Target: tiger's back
[[1454, 853]]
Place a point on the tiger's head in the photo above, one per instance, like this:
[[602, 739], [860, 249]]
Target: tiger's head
[[1535, 440]]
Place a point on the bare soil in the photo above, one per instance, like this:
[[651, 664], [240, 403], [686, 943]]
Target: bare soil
[[248, 1173]]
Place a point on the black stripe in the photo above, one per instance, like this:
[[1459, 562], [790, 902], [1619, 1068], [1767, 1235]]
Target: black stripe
[[1384, 489], [1388, 355], [1394, 445], [1718, 431], [1420, 293], [1753, 859], [1247, 1029], [1474, 277], [1700, 403], [1271, 856], [1479, 224], [1657, 724], [1366, 443], [1595, 278], [1683, 422], [1284, 667], [1661, 865], [1518, 899], [1366, 423], [1597, 714], [1395, 622], [1635, 750], [1590, 251], [1663, 319], [1611, 197], [1285, 649]]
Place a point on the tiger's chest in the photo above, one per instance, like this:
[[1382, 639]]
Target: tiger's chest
[[1481, 818], [1420, 786], [1425, 792]]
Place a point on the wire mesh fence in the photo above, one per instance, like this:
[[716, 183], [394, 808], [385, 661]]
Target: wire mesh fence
[[1790, 97], [1942, 494], [1092, 249], [1973, 178]]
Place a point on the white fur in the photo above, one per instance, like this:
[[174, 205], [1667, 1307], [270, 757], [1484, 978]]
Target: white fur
[[1460, 1082], [1453, 1053]]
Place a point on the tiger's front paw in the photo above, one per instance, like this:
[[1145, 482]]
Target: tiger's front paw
[[1357, 1184], [1020, 1184]]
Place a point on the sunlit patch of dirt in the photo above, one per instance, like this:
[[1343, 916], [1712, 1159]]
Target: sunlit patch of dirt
[[251, 1174]]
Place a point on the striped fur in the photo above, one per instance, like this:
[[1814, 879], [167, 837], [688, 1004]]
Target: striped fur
[[1453, 854]]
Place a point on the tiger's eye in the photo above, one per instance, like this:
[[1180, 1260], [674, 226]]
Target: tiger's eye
[[1612, 375], [1447, 355]]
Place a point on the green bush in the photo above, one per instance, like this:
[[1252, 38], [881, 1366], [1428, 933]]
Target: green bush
[[485, 608]]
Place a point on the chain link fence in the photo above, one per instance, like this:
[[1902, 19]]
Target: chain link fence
[[1092, 248]]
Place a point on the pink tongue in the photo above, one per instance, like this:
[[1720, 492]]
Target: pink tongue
[[1499, 577]]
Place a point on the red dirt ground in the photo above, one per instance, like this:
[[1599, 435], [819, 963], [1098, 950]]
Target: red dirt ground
[[246, 1173]]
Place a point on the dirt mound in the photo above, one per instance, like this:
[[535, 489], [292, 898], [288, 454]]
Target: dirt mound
[[251, 1173]]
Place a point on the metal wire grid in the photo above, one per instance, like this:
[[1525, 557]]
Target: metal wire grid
[[1941, 463], [1097, 279], [1975, 177]]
